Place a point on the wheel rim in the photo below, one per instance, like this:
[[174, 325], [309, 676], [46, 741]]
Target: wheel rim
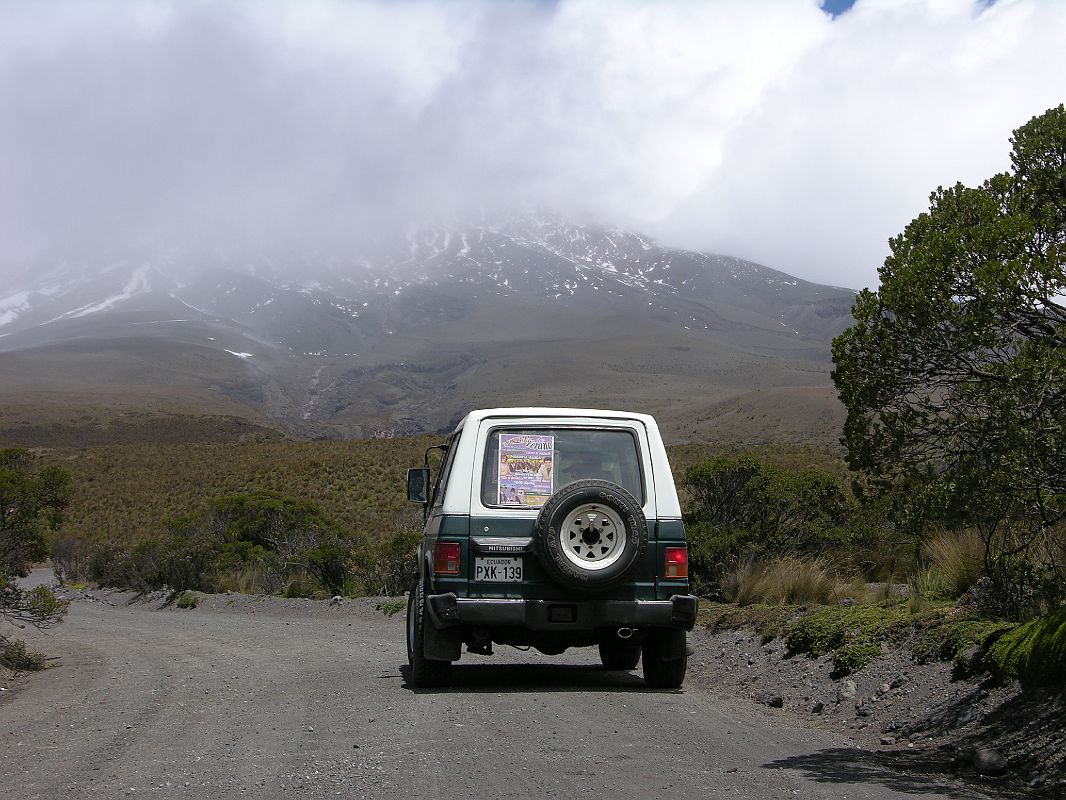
[[592, 536]]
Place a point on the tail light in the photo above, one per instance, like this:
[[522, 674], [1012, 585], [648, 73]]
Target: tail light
[[676, 563], [446, 558]]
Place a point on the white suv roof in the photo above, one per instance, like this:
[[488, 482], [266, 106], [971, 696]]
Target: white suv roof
[[463, 496], [534, 411]]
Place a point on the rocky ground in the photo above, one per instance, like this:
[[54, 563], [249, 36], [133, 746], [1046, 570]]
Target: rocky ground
[[996, 737]]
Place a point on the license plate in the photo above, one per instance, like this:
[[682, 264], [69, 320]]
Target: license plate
[[498, 570]]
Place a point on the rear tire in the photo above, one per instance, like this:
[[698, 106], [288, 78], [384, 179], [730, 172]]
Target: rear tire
[[619, 656], [661, 672], [425, 673]]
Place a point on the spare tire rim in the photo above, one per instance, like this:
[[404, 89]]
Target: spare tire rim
[[592, 536]]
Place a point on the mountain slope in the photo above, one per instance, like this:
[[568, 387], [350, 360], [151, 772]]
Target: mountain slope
[[534, 310]]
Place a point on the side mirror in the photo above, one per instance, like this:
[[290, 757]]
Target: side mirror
[[418, 485]]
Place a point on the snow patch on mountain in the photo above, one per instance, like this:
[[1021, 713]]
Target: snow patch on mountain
[[328, 303], [138, 284], [12, 306]]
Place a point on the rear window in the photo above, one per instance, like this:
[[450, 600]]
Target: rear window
[[524, 466]]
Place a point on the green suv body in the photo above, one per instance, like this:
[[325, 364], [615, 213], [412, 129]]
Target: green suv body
[[551, 528]]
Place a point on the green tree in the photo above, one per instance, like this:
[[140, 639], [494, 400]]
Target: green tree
[[31, 503], [954, 373], [745, 506]]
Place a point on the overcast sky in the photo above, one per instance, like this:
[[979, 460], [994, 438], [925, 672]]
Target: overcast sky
[[769, 130]]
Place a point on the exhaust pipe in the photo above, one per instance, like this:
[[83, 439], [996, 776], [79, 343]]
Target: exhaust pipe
[[625, 633]]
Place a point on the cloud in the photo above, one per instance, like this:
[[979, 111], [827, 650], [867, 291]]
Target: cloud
[[770, 131]]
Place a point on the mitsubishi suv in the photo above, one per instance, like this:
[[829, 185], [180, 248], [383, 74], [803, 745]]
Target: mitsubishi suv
[[551, 528]]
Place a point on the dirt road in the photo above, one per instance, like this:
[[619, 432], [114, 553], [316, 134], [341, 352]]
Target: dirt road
[[262, 698]]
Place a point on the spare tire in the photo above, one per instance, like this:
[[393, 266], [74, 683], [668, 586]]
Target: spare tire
[[591, 535]]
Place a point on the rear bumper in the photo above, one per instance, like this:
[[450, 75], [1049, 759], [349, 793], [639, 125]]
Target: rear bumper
[[447, 611]]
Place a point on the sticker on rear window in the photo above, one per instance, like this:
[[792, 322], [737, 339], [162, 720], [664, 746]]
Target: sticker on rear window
[[526, 464]]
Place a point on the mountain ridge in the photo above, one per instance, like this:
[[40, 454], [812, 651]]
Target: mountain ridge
[[532, 310]]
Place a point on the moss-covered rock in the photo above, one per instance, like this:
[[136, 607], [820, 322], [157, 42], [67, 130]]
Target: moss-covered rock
[[960, 641], [1034, 653]]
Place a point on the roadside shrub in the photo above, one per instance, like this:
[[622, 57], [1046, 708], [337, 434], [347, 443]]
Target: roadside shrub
[[878, 545], [303, 584], [179, 560], [852, 633], [187, 600], [109, 565], [329, 564], [262, 543], [272, 520], [71, 559], [235, 555], [392, 606], [355, 586], [854, 655], [17, 656], [32, 502], [1034, 653], [251, 578], [713, 552], [43, 606], [747, 506], [1015, 588], [393, 564]]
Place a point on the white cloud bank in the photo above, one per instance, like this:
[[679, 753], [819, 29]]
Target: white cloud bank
[[765, 130]]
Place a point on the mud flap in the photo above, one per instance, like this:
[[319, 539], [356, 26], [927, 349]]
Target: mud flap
[[441, 645]]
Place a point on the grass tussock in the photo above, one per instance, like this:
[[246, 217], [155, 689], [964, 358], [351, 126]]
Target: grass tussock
[[248, 579], [788, 580], [958, 557], [928, 587]]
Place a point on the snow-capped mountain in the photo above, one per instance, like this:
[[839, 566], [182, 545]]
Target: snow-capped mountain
[[401, 338]]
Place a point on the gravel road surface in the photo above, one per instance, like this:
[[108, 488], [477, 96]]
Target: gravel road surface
[[248, 697]]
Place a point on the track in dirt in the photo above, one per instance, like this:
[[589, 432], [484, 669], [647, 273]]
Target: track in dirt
[[263, 698]]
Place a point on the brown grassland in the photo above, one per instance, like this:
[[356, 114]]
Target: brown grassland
[[126, 493]]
